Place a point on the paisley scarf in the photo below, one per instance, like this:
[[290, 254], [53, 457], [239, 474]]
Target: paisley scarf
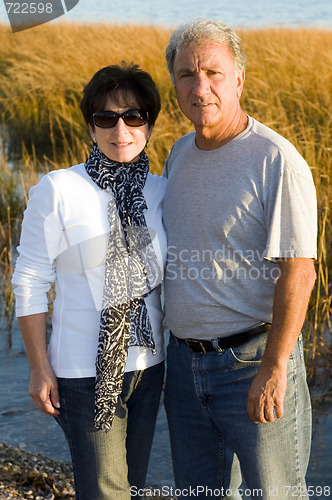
[[131, 272]]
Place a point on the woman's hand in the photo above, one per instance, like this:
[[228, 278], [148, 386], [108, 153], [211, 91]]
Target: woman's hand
[[44, 390], [43, 382]]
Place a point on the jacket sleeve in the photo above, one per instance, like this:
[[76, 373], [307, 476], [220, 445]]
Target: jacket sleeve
[[37, 251]]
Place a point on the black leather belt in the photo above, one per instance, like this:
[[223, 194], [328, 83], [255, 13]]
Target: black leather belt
[[203, 346]]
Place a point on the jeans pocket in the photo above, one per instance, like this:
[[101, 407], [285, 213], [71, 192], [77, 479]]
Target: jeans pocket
[[250, 352]]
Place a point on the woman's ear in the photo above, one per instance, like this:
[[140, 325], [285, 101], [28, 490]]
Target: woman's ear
[[92, 132], [148, 135]]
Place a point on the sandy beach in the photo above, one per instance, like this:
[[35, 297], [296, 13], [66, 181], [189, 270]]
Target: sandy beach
[[29, 476]]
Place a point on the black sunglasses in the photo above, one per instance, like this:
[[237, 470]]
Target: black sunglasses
[[131, 117]]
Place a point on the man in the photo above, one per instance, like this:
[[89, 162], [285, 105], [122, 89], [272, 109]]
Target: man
[[240, 214]]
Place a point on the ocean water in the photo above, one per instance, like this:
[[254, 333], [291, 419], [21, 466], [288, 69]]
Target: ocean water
[[238, 13]]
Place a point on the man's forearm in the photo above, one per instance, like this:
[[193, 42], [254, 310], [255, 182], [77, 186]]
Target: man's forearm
[[291, 300], [293, 289]]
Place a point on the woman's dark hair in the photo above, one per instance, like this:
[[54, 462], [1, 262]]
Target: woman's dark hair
[[121, 82]]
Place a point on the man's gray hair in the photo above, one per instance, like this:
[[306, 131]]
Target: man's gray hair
[[200, 31]]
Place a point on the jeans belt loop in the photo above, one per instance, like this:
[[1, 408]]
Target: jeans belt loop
[[216, 346]]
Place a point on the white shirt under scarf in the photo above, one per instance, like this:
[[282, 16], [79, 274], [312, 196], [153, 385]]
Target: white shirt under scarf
[[64, 240]]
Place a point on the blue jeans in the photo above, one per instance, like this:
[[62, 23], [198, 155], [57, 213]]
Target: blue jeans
[[211, 433], [106, 464]]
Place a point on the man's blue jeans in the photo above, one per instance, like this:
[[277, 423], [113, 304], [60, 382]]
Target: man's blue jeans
[[106, 464], [211, 433]]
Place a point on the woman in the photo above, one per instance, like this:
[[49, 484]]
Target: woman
[[95, 230]]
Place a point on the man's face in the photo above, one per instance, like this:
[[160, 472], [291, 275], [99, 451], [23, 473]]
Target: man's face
[[207, 85]]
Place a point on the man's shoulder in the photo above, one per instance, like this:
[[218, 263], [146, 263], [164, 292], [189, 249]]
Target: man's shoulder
[[181, 145], [277, 147], [269, 136], [183, 141]]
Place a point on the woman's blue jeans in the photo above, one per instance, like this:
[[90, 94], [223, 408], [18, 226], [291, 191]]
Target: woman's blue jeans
[[212, 436], [106, 464]]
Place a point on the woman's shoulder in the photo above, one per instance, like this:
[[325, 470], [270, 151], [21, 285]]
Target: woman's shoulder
[[65, 174], [63, 184], [74, 177], [156, 181], [155, 187]]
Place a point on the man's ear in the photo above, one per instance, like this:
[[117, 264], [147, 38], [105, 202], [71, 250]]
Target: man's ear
[[240, 82]]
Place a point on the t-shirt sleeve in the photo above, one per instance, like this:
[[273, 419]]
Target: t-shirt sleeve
[[291, 210]]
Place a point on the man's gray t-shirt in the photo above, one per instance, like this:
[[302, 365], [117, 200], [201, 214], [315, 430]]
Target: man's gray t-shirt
[[229, 213]]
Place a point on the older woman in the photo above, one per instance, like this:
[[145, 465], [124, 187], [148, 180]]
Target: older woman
[[95, 229]]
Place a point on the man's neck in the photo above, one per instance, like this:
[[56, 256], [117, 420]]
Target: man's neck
[[208, 139]]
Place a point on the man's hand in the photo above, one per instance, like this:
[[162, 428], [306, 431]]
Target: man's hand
[[266, 395], [44, 390]]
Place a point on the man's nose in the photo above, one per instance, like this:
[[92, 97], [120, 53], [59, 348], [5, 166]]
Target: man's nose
[[201, 85]]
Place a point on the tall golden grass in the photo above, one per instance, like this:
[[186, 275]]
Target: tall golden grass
[[43, 71]]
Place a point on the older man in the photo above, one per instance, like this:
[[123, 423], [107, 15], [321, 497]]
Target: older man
[[240, 213]]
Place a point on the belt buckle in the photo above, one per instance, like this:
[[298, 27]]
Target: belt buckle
[[202, 347], [193, 343]]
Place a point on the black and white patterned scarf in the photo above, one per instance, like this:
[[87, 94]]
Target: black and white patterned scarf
[[131, 272]]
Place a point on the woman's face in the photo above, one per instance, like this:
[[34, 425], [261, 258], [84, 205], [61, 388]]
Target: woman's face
[[121, 143]]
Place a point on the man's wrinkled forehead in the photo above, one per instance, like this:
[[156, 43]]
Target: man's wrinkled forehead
[[201, 55]]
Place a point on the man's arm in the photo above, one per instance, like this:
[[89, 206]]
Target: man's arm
[[43, 383], [291, 299]]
